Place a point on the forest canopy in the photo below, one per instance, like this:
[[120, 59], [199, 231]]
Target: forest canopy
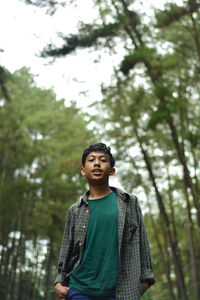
[[150, 113], [41, 141]]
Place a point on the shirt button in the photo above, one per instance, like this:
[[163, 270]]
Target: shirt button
[[87, 211], [80, 244], [84, 226]]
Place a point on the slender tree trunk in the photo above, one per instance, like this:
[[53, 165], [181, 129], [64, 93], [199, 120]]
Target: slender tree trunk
[[21, 262], [10, 252], [168, 270], [36, 276], [5, 239], [193, 260], [163, 253], [3, 79], [195, 35], [187, 177], [27, 290], [49, 263], [176, 258], [126, 27], [172, 208], [14, 280], [196, 168]]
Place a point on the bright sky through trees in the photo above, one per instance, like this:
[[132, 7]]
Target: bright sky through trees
[[25, 30], [148, 112]]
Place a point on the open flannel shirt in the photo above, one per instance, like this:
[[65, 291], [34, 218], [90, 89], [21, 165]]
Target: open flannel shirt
[[135, 265]]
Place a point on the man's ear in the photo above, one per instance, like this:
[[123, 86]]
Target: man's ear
[[112, 171], [82, 170]]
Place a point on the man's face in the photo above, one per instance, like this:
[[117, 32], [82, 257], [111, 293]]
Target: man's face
[[97, 167]]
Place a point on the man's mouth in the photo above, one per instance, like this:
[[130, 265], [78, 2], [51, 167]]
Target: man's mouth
[[97, 171]]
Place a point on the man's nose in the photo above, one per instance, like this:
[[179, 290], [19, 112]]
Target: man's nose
[[96, 162]]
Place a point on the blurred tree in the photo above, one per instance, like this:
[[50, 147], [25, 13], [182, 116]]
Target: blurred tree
[[153, 109], [41, 140], [50, 5]]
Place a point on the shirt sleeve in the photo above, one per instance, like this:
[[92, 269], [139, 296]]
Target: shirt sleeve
[[64, 250], [145, 253]]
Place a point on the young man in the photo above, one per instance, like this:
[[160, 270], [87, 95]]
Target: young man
[[105, 253]]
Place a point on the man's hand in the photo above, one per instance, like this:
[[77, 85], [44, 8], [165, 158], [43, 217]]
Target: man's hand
[[144, 286], [61, 291]]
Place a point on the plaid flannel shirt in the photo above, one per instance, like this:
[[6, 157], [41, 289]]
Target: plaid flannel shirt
[[135, 265]]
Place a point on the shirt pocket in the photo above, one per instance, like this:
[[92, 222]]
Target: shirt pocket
[[130, 231]]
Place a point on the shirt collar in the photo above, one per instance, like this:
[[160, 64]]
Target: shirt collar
[[121, 194]]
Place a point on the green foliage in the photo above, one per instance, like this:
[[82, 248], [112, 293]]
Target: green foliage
[[41, 142], [141, 55], [50, 5], [173, 12], [88, 37]]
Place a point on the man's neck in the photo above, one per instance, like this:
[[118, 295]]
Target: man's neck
[[97, 191]]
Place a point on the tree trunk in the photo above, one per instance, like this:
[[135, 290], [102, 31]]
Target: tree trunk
[[196, 167], [5, 239], [48, 267], [187, 177], [193, 260], [36, 275], [172, 208], [21, 262], [195, 35], [176, 258], [14, 280], [168, 270], [163, 253]]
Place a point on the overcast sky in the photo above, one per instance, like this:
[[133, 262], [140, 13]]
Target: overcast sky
[[25, 30]]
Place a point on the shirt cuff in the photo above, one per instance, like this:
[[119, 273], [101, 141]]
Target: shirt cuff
[[59, 278], [148, 277]]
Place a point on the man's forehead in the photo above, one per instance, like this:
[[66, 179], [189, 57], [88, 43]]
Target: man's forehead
[[97, 154]]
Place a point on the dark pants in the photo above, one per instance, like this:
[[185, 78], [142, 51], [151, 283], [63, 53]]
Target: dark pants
[[73, 295]]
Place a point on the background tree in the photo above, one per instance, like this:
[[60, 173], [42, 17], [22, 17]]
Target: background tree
[[41, 141], [151, 113]]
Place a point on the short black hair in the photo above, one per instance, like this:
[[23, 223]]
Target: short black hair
[[99, 147]]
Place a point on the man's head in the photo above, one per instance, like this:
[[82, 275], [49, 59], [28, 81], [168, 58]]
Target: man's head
[[99, 147], [97, 164]]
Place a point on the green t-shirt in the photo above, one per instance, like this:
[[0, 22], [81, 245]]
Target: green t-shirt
[[97, 273]]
